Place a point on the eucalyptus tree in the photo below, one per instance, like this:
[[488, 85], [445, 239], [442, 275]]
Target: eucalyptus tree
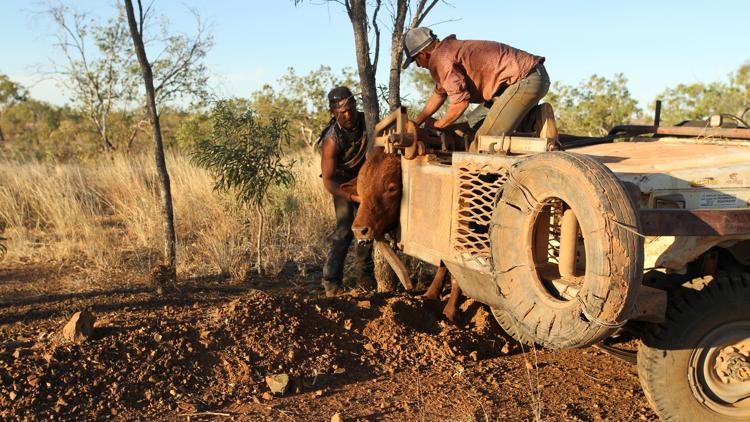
[[245, 155], [10, 93]]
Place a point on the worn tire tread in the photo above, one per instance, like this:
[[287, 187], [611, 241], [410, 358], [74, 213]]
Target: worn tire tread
[[685, 308], [606, 187]]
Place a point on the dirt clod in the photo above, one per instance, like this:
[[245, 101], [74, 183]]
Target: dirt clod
[[364, 304], [80, 327]]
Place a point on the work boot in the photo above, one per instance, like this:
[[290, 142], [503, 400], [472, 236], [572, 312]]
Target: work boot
[[332, 288], [366, 283]]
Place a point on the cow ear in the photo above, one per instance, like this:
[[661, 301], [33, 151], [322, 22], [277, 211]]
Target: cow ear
[[350, 187]]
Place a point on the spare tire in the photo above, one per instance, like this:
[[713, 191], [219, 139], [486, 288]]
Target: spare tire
[[538, 304]]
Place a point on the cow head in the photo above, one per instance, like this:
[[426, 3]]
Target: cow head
[[379, 188]]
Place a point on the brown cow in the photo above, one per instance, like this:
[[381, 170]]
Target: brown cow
[[379, 189]]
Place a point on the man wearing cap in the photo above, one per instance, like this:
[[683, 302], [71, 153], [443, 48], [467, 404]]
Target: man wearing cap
[[344, 144], [506, 82]]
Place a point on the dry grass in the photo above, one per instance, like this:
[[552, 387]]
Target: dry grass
[[104, 216]]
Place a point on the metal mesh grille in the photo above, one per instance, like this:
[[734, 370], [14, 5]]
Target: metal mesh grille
[[478, 185]]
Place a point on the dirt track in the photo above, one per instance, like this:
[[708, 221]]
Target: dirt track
[[204, 353]]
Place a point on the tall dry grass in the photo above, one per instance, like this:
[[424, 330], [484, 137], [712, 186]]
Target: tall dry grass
[[104, 216]]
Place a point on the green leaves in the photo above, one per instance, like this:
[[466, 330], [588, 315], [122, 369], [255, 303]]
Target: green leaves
[[245, 153], [11, 92], [701, 100], [594, 106]]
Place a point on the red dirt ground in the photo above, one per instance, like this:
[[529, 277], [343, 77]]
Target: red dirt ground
[[204, 352]]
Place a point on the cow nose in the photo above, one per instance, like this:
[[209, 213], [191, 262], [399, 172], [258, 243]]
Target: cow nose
[[362, 233]]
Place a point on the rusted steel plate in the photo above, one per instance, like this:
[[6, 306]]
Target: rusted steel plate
[[678, 222]]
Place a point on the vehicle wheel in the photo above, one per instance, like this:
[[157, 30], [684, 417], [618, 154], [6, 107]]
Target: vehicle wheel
[[385, 277], [566, 252], [696, 365]]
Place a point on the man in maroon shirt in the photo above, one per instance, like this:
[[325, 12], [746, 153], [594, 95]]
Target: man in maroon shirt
[[506, 82]]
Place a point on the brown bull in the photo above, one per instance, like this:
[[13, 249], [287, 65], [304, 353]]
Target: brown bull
[[379, 189]]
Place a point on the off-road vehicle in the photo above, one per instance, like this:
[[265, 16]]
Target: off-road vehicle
[[573, 240]]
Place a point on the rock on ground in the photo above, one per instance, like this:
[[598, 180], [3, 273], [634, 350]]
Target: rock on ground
[[80, 327]]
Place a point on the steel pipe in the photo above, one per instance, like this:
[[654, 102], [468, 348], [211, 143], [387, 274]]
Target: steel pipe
[[568, 243], [541, 237]]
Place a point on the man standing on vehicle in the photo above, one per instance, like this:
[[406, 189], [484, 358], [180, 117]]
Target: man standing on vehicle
[[344, 144], [506, 82]]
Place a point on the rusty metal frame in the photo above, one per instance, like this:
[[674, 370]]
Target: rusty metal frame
[[695, 222], [708, 132]]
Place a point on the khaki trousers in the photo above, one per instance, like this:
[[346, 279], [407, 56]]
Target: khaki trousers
[[504, 113]]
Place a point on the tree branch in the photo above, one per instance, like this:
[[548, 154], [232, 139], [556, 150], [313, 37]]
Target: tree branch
[[377, 36], [419, 17]]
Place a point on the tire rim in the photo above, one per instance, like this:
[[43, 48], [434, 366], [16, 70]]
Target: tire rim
[[719, 370]]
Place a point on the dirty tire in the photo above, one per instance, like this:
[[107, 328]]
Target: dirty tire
[[511, 327], [673, 356], [385, 277], [614, 254]]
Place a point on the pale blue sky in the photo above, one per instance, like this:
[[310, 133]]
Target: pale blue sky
[[656, 44]]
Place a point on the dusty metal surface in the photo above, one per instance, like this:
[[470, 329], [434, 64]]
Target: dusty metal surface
[[674, 252], [513, 144], [694, 194], [425, 216], [475, 283], [655, 157], [716, 132], [568, 242], [673, 175]]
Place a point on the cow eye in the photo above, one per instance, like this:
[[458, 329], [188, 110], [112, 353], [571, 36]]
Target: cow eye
[[392, 187]]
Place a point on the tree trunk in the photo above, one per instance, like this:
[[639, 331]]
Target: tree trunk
[[397, 46], [259, 241], [357, 10], [170, 255], [105, 136]]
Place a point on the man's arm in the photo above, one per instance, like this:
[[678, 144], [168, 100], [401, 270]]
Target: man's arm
[[431, 107], [328, 170], [454, 112]]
